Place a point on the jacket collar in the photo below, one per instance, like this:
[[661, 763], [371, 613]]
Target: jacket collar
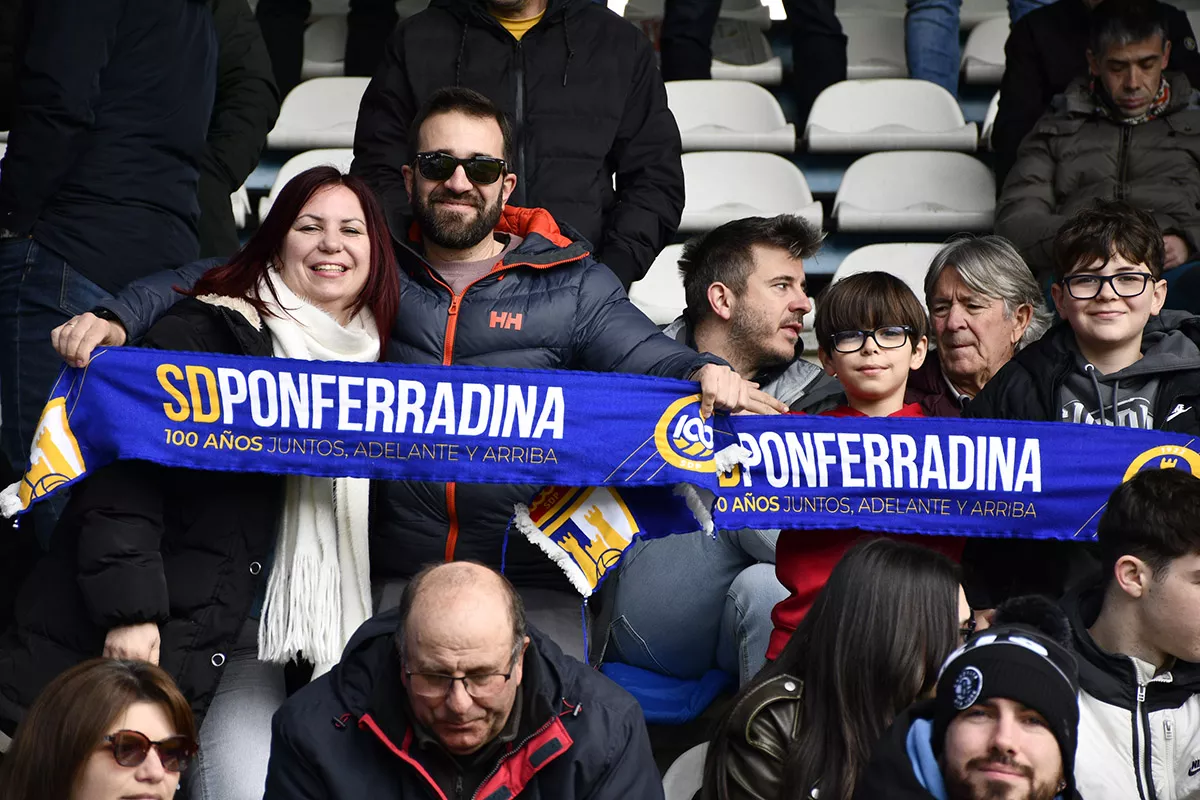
[[1079, 99]]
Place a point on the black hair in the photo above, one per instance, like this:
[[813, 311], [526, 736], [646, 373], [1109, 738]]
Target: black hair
[[871, 644], [724, 255], [1151, 516], [1122, 22], [455, 99], [866, 301], [1108, 228]]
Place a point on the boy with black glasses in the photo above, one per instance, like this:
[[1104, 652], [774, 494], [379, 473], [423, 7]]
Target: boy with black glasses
[[871, 332]]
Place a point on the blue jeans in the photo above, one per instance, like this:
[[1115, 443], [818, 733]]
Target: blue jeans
[[687, 604], [38, 292], [931, 38]]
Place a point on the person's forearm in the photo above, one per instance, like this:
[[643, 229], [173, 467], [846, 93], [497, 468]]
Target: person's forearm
[[142, 303]]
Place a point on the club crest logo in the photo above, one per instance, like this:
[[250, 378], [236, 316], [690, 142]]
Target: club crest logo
[[684, 440], [55, 458], [967, 687], [1165, 457]]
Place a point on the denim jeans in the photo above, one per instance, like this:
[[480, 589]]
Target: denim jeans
[[235, 738], [931, 42], [38, 292], [688, 604]]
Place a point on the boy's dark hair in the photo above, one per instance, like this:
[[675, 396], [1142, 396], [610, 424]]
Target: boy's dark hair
[[867, 301], [455, 99], [1151, 516], [1122, 22], [1108, 228], [723, 255]]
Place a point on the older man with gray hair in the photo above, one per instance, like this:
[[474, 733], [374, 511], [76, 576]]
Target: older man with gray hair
[[985, 305]]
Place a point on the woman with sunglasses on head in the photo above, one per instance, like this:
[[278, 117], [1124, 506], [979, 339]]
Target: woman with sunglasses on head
[[872, 644], [102, 730], [224, 577]]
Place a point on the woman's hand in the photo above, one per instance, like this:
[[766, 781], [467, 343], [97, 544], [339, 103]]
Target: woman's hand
[[79, 336], [722, 388], [133, 642]]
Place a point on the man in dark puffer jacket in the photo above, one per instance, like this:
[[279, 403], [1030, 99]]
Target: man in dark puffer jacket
[[595, 144], [505, 287]]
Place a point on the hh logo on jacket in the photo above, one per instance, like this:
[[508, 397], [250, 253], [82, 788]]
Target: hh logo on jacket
[[504, 319]]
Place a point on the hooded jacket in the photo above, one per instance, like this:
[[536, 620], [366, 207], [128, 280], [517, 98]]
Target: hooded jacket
[[348, 735], [1139, 733], [103, 159], [1075, 154], [903, 764], [593, 139], [1050, 375], [547, 305]]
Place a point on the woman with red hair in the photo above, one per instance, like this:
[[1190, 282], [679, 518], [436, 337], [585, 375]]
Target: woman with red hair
[[220, 577]]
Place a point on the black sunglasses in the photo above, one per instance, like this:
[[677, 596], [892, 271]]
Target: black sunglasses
[[483, 170], [130, 748]]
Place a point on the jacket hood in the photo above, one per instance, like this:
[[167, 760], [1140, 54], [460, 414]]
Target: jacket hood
[[895, 774], [1170, 343], [799, 384]]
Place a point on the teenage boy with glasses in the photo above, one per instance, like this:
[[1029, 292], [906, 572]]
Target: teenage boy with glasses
[[871, 332]]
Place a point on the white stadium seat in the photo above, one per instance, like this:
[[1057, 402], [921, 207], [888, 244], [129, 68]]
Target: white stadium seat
[[686, 775], [1194, 21], [741, 52], [908, 262], [659, 294], [324, 48], [340, 158], [983, 56], [750, 11], [989, 122], [891, 114], [977, 12], [875, 46], [916, 191], [729, 115], [320, 112], [240, 200], [721, 187]]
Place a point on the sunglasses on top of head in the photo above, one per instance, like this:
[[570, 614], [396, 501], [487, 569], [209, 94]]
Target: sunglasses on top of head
[[483, 170], [130, 749]]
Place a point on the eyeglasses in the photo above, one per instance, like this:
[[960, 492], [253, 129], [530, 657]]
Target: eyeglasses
[[889, 337], [1124, 284], [967, 629], [483, 170], [130, 748], [480, 686]]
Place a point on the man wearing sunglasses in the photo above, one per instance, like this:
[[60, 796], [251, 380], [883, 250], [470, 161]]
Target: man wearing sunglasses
[[594, 142], [454, 695]]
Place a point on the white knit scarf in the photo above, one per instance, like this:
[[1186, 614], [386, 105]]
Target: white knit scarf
[[319, 590]]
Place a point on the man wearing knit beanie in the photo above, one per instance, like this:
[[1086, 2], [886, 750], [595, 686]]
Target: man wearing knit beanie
[[1002, 725]]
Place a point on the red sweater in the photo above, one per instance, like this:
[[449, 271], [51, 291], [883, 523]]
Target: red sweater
[[804, 559]]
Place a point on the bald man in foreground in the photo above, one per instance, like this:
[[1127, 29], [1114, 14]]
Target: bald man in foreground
[[452, 696]]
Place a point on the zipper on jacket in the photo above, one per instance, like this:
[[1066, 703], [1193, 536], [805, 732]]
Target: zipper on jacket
[[1123, 162], [520, 109], [511, 753], [458, 787]]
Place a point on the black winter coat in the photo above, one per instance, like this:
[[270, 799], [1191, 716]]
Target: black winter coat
[[1046, 50], [586, 101], [564, 311], [103, 158], [347, 736], [142, 543]]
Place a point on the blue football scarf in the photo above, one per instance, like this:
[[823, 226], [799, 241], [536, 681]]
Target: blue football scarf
[[623, 456]]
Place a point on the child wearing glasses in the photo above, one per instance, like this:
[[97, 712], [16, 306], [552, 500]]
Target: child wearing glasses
[[871, 331]]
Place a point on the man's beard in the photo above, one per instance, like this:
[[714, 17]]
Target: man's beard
[[748, 331], [959, 788], [449, 229]]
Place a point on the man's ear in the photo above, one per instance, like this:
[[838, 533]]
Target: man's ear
[[1022, 318], [1166, 53], [721, 300], [409, 177], [507, 187], [1132, 575]]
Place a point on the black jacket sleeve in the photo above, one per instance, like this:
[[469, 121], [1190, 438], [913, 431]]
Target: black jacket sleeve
[[142, 303], [647, 157], [381, 133], [612, 335], [68, 46], [244, 112], [290, 773], [630, 769], [1024, 96], [1184, 58]]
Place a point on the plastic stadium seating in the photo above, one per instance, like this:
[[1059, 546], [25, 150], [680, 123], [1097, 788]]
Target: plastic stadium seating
[[1194, 21], [908, 262], [983, 56], [729, 115], [320, 112], [659, 294], [976, 12], [894, 114], [876, 46], [686, 775], [920, 191], [744, 10], [989, 122], [241, 206], [340, 158], [324, 48], [721, 187]]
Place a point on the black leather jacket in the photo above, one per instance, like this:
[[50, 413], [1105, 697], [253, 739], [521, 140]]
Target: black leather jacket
[[746, 761]]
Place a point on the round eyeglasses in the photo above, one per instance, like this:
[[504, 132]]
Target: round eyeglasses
[[1124, 284], [888, 337]]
